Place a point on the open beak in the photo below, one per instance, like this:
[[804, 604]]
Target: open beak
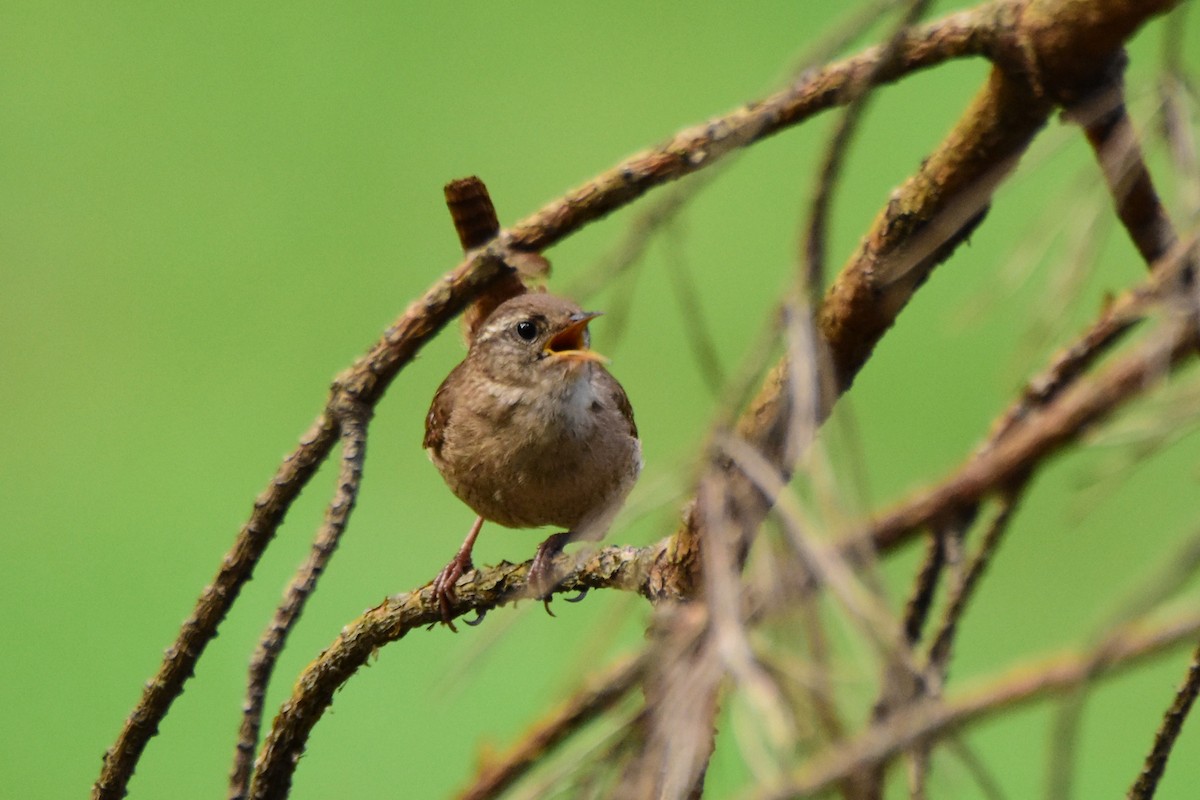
[[572, 341]]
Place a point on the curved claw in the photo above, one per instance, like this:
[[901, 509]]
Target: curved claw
[[479, 615], [443, 584], [546, 603], [443, 588], [541, 578], [579, 597]]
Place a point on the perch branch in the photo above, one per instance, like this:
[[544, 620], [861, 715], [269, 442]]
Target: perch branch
[[624, 568]]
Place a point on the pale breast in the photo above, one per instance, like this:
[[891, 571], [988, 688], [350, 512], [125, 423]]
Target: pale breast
[[565, 459]]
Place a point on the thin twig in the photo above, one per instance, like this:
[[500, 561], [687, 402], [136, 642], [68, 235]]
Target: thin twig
[[653, 218], [603, 761], [984, 779], [828, 566], [961, 594], [179, 660], [1117, 319], [262, 664], [920, 598], [813, 261], [1168, 732], [601, 694], [1040, 435], [820, 687], [1019, 686], [1178, 96], [696, 329], [1164, 581]]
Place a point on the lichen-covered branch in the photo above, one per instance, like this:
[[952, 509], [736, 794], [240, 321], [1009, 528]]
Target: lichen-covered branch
[[625, 568]]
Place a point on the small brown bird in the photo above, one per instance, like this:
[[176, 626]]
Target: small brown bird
[[531, 430]]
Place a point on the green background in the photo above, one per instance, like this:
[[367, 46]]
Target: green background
[[207, 210]]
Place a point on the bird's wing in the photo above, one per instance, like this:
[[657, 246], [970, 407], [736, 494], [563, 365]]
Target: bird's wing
[[439, 412], [619, 399]]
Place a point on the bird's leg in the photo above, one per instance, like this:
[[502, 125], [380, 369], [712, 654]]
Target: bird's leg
[[540, 577], [443, 584]]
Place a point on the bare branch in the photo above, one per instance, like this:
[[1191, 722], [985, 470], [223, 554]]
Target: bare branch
[[1168, 732], [1022, 685], [601, 694], [262, 664], [179, 660], [1038, 436], [1111, 134]]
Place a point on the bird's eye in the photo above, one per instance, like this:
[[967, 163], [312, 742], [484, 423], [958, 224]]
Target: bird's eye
[[527, 330]]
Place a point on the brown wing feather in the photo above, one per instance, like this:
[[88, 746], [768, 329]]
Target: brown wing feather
[[620, 400], [439, 412]]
